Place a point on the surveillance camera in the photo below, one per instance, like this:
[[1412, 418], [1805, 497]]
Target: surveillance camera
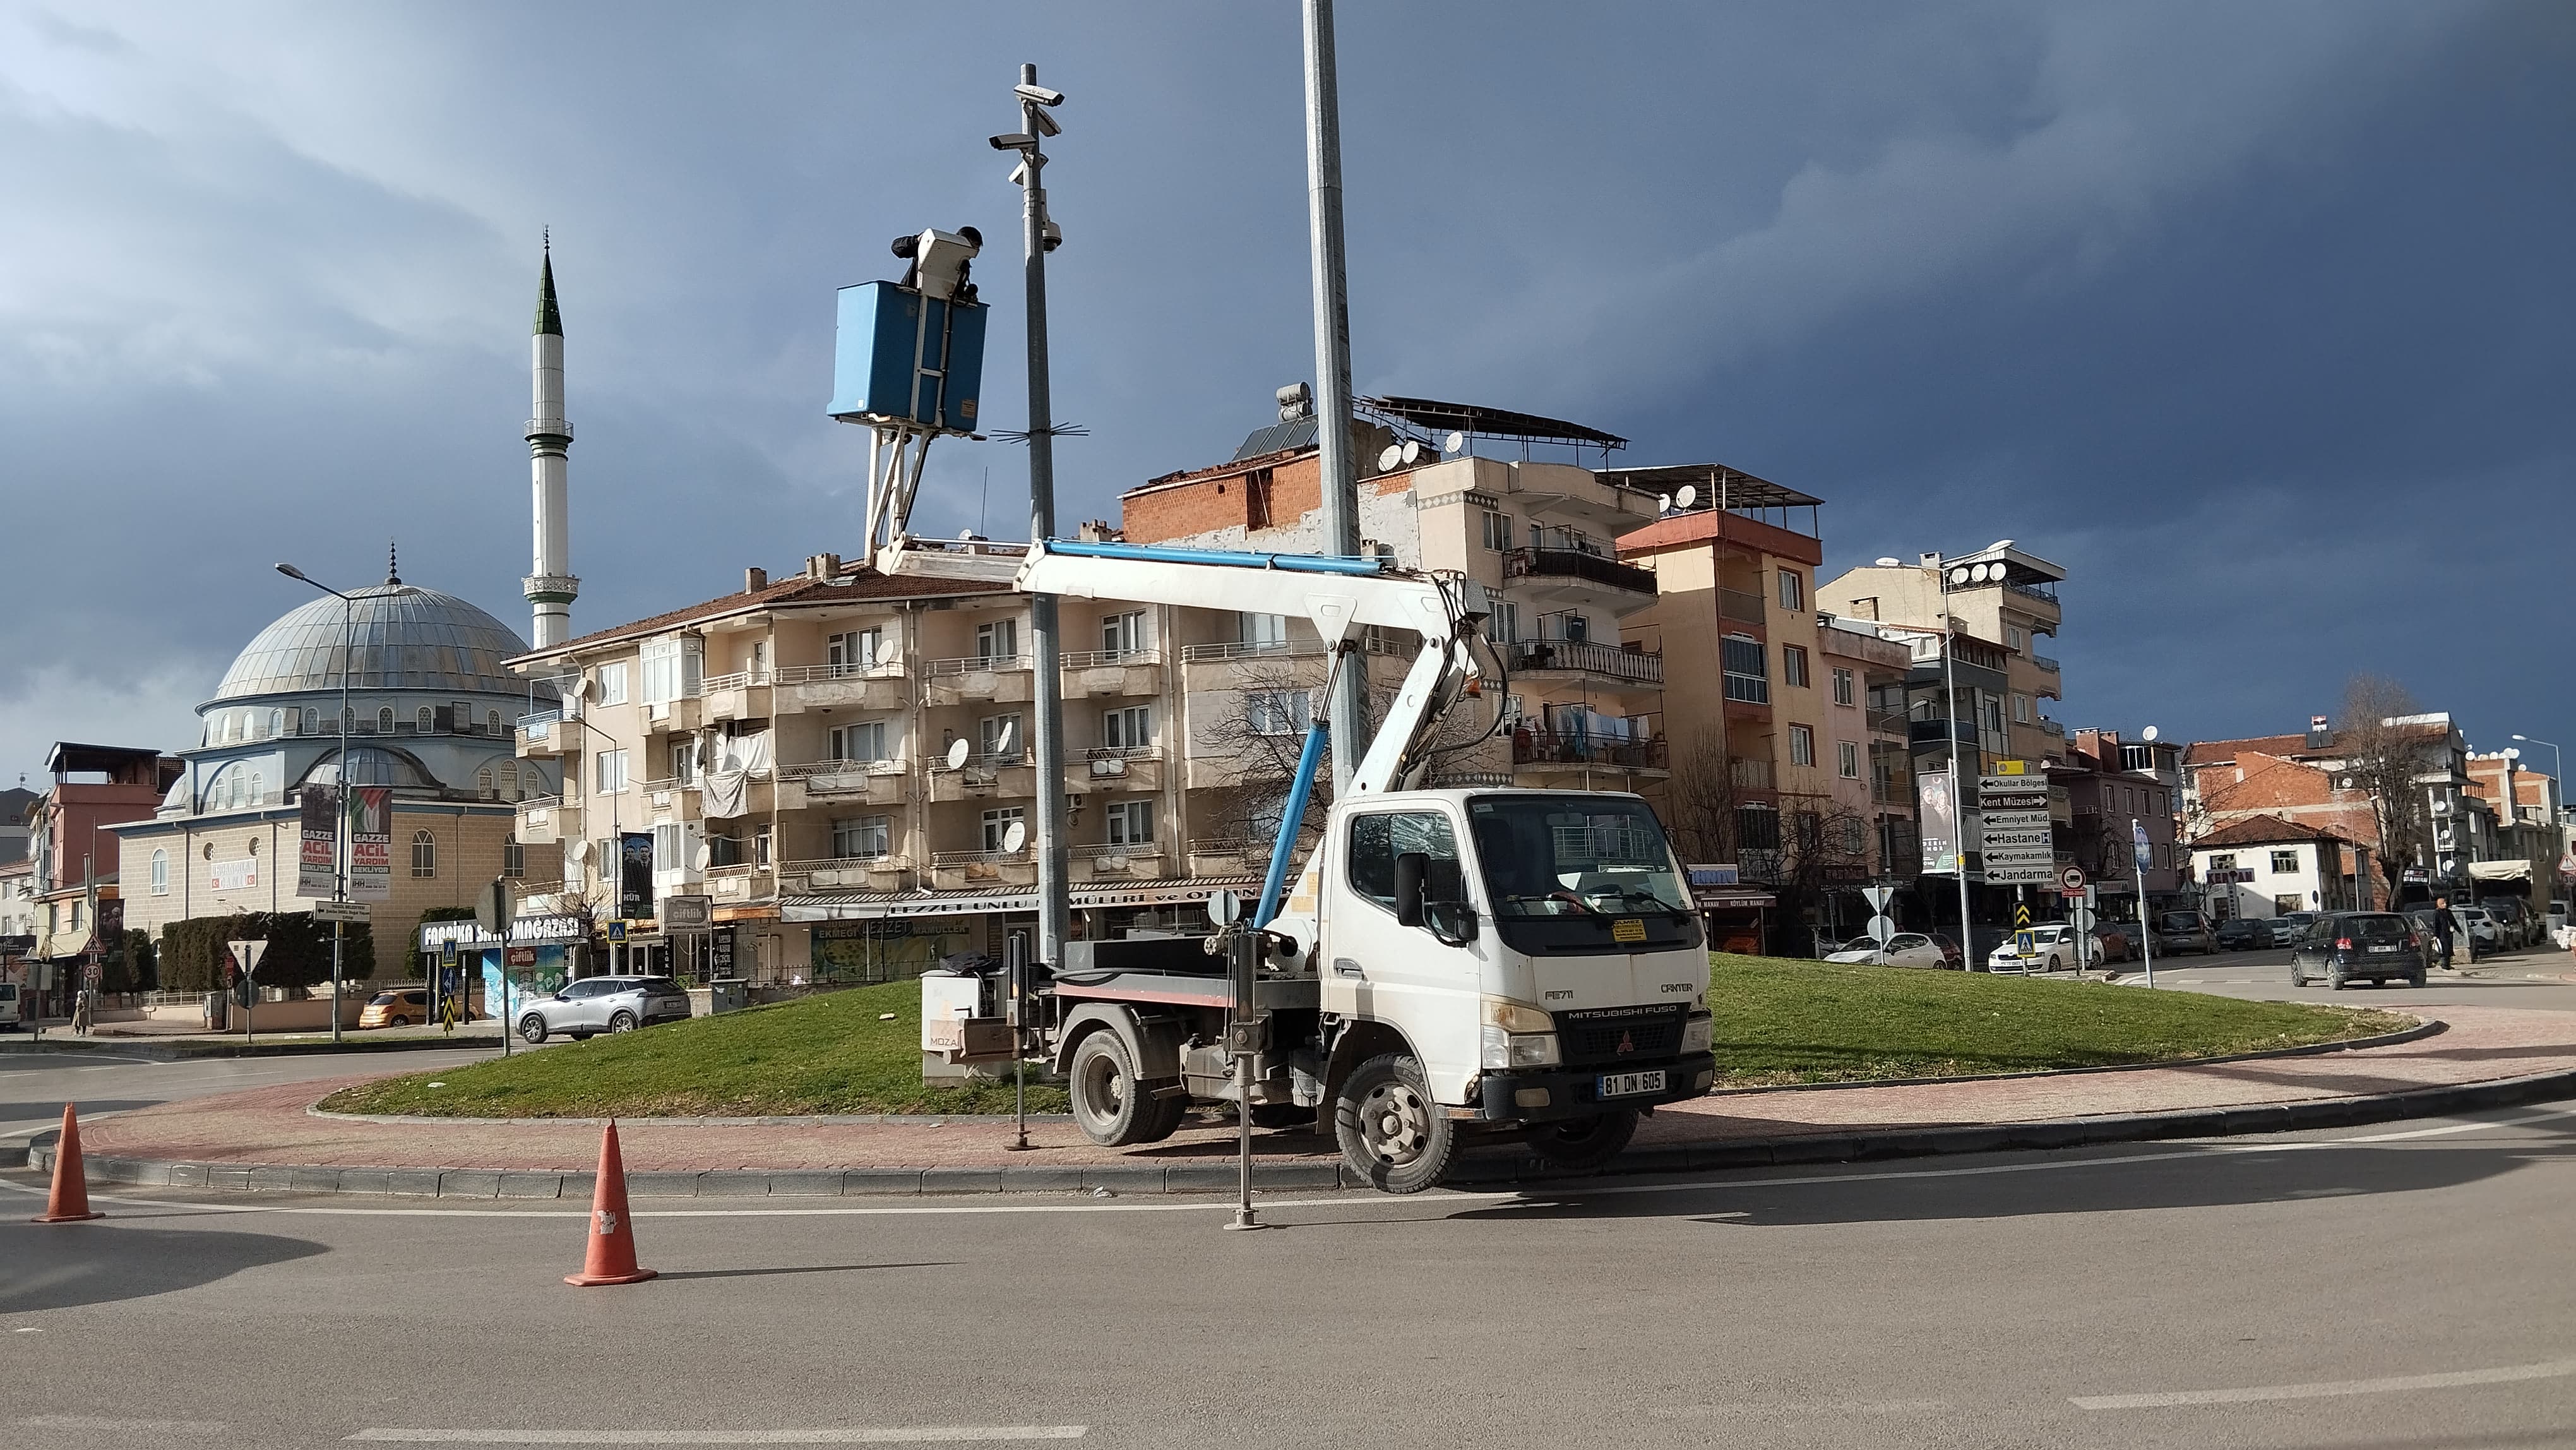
[[973, 237], [907, 245], [1053, 235], [1046, 123], [1013, 141], [1039, 94]]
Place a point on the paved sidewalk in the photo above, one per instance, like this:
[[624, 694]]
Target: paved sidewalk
[[268, 1138]]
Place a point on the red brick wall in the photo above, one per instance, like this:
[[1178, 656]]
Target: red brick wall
[[2285, 788]]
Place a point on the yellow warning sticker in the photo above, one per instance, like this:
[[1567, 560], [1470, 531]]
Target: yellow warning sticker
[[1628, 928]]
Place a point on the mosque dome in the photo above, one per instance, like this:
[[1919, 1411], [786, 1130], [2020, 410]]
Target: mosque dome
[[407, 638]]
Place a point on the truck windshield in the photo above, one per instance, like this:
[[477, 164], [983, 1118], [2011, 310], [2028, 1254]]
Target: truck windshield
[[1585, 864]]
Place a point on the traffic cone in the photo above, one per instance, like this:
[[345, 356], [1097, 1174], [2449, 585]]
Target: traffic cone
[[69, 1202], [611, 1256]]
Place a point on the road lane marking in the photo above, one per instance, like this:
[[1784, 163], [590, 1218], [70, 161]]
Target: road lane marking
[[2508, 1374], [139, 1427], [909, 1435], [2200, 1151]]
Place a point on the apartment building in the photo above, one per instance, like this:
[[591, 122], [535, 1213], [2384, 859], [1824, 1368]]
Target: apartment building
[[2115, 787], [2306, 779], [2262, 865], [1865, 722], [2002, 596]]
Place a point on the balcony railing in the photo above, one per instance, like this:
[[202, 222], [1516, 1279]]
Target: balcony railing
[[1095, 851], [988, 762], [1635, 666], [1572, 564], [1751, 773], [807, 770], [2044, 662], [2033, 591], [980, 858], [1092, 659], [738, 680], [1740, 605], [1549, 747], [977, 665], [884, 669], [1888, 722], [883, 861], [1252, 649]]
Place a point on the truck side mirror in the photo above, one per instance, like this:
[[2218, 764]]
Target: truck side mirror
[[1409, 868]]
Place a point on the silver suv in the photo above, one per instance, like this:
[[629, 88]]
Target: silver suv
[[604, 1004]]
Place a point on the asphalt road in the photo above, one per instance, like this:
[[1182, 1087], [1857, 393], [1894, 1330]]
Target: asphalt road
[[2402, 1286], [2529, 979], [35, 1085]]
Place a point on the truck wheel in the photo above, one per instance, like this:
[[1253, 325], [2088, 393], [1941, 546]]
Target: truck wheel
[[1391, 1130], [1109, 1105], [1583, 1144]]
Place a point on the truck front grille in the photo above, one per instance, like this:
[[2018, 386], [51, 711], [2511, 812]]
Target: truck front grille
[[1600, 1036]]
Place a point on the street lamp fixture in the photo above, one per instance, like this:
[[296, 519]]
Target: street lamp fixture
[[340, 787]]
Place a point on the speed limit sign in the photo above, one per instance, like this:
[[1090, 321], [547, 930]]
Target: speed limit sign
[[2070, 880]]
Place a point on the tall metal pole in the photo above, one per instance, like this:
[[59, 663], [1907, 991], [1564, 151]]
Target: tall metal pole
[[1958, 802], [340, 802], [1055, 852], [1346, 709]]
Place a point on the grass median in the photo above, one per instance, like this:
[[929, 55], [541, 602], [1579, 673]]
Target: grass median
[[1778, 1021]]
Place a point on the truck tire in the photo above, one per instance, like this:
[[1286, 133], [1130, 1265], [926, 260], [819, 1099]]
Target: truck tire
[[1583, 1144], [1109, 1105], [1392, 1132], [1278, 1116]]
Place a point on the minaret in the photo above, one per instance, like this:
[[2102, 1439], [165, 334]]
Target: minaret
[[550, 587]]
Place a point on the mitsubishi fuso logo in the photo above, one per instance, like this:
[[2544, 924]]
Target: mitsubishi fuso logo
[[1627, 1043]]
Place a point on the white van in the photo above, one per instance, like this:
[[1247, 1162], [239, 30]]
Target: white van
[[8, 1006]]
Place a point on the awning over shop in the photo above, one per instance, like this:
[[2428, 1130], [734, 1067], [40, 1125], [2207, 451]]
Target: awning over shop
[[895, 905]]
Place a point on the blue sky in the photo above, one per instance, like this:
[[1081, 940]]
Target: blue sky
[[2257, 318]]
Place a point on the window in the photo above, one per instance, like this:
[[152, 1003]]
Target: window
[[491, 723], [670, 847], [1131, 823], [514, 857], [1498, 530], [1844, 693], [312, 721], [1748, 670], [1277, 712], [424, 854], [854, 652], [864, 741], [1802, 745], [863, 838], [684, 760], [2225, 861], [1376, 840], [672, 669], [276, 724], [1122, 634], [997, 640], [1000, 736], [760, 848], [609, 773], [1270, 631], [2021, 709], [1793, 589], [510, 780], [1569, 625], [1129, 729], [2285, 863], [485, 786], [612, 683], [256, 786], [160, 873], [1507, 622], [2014, 637], [759, 665], [1793, 663], [1994, 714], [1847, 759], [998, 823], [385, 720]]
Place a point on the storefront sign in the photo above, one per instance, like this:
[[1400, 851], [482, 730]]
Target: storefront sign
[[528, 929]]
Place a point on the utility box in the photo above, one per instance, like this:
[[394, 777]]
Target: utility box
[[902, 356], [961, 1024]]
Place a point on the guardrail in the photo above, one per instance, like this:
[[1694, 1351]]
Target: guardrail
[[1096, 850], [738, 680], [807, 770]]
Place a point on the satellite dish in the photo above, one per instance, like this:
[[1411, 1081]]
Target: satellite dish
[[1388, 457], [579, 688], [2147, 734], [1959, 575], [1015, 835], [1686, 495], [1888, 561], [1006, 740], [581, 850], [702, 855], [1413, 451], [1223, 907], [957, 752], [1457, 443], [1664, 502]]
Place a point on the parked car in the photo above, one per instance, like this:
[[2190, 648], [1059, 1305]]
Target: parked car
[[2052, 949], [2282, 931], [2184, 931], [2514, 921], [2243, 933], [1905, 949], [1951, 957], [2112, 942], [400, 1007], [2296, 924], [2481, 925], [604, 1004], [2376, 946], [9, 1008]]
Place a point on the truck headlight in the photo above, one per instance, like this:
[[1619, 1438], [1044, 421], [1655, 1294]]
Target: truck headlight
[[1698, 1033], [1502, 1049], [1513, 1017]]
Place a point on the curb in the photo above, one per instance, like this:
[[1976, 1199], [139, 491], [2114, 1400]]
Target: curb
[[2423, 1028], [1218, 1177], [165, 1050]]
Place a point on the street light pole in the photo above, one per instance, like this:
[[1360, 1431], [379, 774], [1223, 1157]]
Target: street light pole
[[2558, 773], [1345, 709], [1958, 801], [340, 787]]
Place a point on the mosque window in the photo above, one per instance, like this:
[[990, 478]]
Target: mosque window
[[514, 857], [385, 720], [161, 872], [262, 729], [428, 720], [424, 854], [312, 721], [492, 723], [255, 784], [483, 783]]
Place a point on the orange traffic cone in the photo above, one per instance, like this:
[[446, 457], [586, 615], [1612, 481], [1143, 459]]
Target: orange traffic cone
[[611, 1257], [69, 1202]]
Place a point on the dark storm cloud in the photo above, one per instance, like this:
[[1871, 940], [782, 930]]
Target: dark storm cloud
[[2255, 317]]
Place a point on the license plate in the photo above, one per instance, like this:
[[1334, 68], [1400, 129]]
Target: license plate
[[1630, 1084], [2384, 949]]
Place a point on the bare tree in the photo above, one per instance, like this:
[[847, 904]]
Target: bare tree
[[1823, 844], [1704, 797], [2385, 759]]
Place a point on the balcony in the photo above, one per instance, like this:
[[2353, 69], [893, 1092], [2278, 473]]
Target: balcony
[[995, 679], [1751, 773], [1576, 570], [741, 883], [1105, 862], [850, 782], [1936, 732], [743, 695], [878, 686], [1741, 605], [984, 775], [1604, 661], [1544, 749], [543, 733], [2044, 662], [676, 800], [1135, 767], [848, 873], [547, 821], [1251, 649], [1091, 673], [1885, 722], [1238, 855], [963, 870]]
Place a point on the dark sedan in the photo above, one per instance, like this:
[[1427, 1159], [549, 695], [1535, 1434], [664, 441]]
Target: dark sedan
[[2374, 946]]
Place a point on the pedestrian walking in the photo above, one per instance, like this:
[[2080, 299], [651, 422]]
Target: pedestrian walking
[[81, 1010], [2442, 929]]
